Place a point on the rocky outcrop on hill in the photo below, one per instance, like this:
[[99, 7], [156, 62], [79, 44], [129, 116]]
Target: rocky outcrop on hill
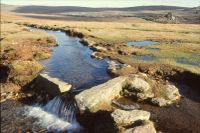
[[170, 16], [167, 18]]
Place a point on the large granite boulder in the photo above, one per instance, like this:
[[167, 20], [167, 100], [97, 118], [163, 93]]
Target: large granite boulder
[[148, 127], [52, 86], [141, 87], [100, 97], [170, 95], [138, 87], [126, 118]]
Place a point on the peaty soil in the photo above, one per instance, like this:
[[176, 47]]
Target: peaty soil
[[183, 117]]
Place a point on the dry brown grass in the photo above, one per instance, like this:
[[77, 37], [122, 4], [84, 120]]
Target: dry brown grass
[[123, 31], [176, 40], [20, 43], [20, 48]]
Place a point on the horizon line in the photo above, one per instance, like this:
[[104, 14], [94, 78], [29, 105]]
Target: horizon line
[[94, 7]]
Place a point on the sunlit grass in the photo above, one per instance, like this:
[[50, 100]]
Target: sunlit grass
[[175, 40]]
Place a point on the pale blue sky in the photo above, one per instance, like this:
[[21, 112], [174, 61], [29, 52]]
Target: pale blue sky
[[104, 3]]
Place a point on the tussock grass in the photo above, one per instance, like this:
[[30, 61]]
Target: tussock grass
[[175, 40], [20, 48], [23, 72]]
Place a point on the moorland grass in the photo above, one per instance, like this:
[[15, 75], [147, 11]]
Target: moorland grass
[[175, 40]]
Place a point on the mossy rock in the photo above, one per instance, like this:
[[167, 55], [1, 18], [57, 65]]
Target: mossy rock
[[23, 72]]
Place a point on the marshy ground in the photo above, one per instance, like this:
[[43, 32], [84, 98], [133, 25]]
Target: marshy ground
[[175, 55]]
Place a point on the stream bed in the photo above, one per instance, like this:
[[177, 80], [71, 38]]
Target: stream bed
[[71, 62]]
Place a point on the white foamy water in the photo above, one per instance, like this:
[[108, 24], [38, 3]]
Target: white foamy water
[[54, 116]]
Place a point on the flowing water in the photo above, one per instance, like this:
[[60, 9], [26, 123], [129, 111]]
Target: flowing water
[[72, 63], [57, 115]]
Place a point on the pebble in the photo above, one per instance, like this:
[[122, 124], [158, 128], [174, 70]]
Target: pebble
[[9, 96], [3, 100], [3, 94]]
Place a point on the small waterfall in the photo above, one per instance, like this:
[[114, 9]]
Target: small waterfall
[[57, 115]]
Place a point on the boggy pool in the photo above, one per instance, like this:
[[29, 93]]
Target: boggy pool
[[142, 43]]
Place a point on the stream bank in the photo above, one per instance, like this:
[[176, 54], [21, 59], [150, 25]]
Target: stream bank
[[99, 119]]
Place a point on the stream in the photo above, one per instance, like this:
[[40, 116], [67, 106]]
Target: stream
[[71, 62]]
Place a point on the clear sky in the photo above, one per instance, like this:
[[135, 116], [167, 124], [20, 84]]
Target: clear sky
[[104, 3]]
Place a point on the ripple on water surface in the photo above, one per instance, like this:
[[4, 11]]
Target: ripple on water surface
[[71, 62]]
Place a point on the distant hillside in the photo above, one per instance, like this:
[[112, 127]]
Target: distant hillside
[[155, 8], [194, 9], [150, 13], [8, 8], [60, 9]]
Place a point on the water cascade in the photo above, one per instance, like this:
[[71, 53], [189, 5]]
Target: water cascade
[[57, 115]]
